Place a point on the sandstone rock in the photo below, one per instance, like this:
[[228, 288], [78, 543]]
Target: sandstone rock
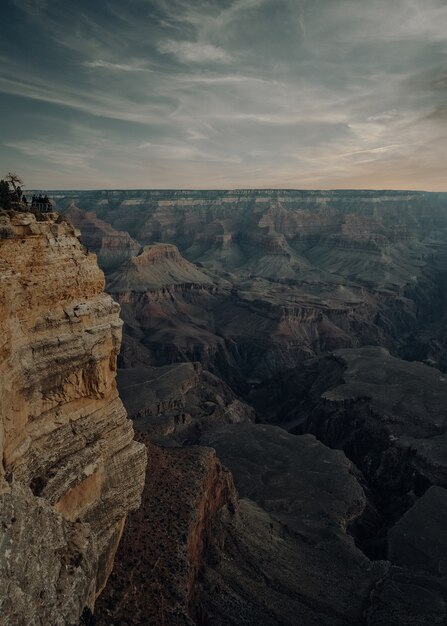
[[70, 469], [156, 267]]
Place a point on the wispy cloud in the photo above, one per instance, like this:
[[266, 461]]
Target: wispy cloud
[[183, 152], [194, 52], [235, 93], [120, 67], [93, 103], [65, 155]]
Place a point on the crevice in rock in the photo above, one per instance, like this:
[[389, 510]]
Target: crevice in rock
[[37, 485], [391, 481]]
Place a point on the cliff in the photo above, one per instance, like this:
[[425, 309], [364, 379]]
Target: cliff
[[70, 470], [156, 267], [112, 247], [164, 546]]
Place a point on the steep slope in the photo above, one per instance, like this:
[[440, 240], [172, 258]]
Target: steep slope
[[111, 246], [179, 400], [166, 304], [202, 556], [163, 547], [70, 469], [388, 415], [155, 267]]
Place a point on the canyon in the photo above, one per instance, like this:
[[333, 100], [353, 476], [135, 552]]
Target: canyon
[[283, 361], [254, 320]]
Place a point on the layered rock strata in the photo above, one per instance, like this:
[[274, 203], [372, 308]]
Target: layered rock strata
[[111, 246], [70, 469], [279, 276]]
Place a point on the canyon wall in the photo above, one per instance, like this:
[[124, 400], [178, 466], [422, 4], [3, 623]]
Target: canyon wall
[[263, 279], [70, 469]]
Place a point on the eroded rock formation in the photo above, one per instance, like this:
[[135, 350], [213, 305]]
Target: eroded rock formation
[[266, 281], [111, 246], [279, 276], [197, 554], [70, 468]]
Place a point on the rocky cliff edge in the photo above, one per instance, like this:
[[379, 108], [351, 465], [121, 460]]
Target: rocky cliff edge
[[70, 470]]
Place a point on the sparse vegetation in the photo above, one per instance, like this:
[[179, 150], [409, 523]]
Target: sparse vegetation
[[10, 190]]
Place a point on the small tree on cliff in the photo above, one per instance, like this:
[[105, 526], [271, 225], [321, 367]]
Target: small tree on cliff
[[16, 183]]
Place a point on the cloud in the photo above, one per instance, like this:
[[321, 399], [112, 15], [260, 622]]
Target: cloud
[[386, 116], [64, 155], [184, 152], [194, 52], [224, 93], [121, 67], [94, 102]]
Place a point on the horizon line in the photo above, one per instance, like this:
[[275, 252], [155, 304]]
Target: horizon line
[[234, 189]]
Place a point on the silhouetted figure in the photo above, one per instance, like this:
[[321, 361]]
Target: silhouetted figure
[[24, 200], [19, 193]]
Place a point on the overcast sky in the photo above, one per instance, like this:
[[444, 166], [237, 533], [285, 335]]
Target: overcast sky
[[224, 93]]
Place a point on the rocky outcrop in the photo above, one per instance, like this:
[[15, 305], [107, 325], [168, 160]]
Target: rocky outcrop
[[179, 400], [163, 549], [196, 554], [388, 416], [298, 499], [156, 267], [70, 469], [112, 247]]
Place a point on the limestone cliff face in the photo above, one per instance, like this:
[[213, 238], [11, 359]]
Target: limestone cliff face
[[70, 470]]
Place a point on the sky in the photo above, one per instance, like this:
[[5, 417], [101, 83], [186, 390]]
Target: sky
[[219, 94]]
